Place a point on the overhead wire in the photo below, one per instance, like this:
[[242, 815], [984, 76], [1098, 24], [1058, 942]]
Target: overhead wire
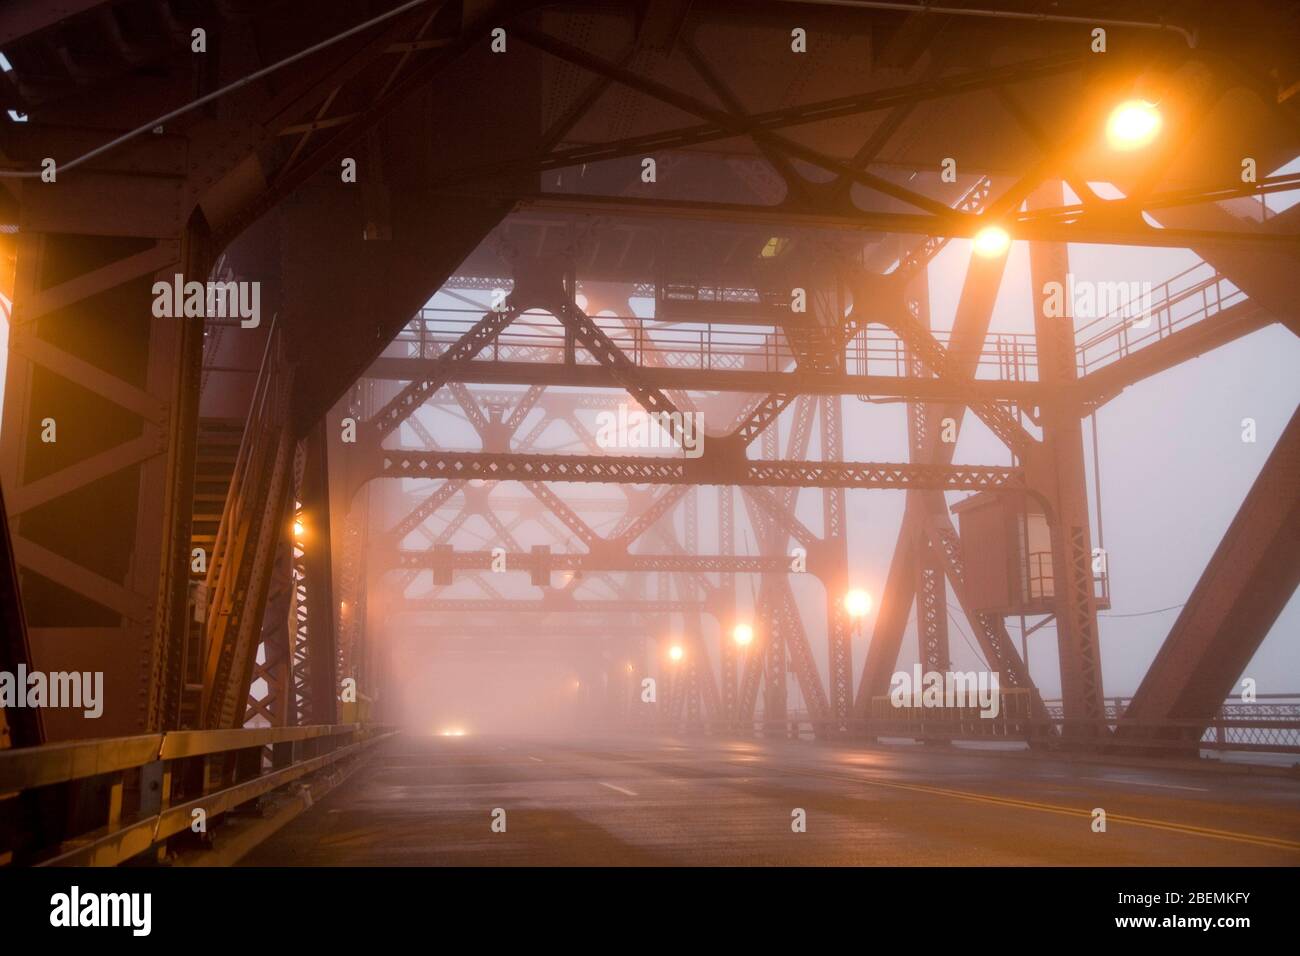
[[214, 95]]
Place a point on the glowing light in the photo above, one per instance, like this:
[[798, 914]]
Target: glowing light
[[454, 732], [580, 301], [675, 653], [991, 241], [857, 603], [743, 634], [299, 529], [1132, 125]]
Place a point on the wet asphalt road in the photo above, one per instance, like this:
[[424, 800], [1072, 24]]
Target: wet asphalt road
[[429, 801]]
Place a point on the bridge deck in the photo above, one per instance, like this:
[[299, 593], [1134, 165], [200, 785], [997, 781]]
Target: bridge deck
[[428, 801]]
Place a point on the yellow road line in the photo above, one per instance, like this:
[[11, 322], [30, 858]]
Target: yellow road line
[[1276, 843]]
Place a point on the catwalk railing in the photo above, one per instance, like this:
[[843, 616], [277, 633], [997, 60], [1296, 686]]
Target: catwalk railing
[[102, 802], [759, 347], [1149, 315], [1135, 316]]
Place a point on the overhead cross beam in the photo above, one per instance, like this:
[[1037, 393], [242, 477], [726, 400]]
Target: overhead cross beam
[[526, 561], [646, 469], [1096, 227]]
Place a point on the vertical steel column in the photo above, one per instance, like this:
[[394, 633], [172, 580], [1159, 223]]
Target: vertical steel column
[[931, 588], [273, 663], [931, 606], [301, 596], [836, 580], [1056, 470], [774, 665], [321, 678], [727, 646]]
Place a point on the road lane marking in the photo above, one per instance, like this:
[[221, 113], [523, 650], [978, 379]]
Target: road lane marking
[[1275, 843], [538, 759], [1139, 783], [619, 789]]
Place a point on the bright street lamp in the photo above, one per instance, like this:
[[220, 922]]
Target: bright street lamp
[[743, 634], [991, 242], [1132, 125], [675, 653]]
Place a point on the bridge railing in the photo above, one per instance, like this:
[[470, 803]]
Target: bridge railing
[[1196, 293], [101, 802], [1270, 725], [538, 337]]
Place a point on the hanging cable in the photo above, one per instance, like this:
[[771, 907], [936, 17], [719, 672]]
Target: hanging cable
[[979, 656], [1159, 610]]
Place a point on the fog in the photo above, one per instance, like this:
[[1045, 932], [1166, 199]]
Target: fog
[[1173, 471]]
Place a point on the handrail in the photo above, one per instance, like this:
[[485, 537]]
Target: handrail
[[224, 580], [705, 346], [134, 793], [22, 768], [1202, 298], [256, 406]]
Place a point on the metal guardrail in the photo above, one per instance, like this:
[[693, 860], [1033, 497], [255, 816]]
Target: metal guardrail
[[1174, 738], [1196, 293], [702, 346], [1269, 726], [101, 802], [1192, 295]]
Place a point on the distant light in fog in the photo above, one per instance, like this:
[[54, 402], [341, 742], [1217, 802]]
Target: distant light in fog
[[675, 652], [857, 603], [453, 732], [743, 634]]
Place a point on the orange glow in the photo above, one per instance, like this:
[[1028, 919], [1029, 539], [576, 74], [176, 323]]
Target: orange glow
[[675, 653], [857, 603], [1132, 125], [743, 634], [991, 241]]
